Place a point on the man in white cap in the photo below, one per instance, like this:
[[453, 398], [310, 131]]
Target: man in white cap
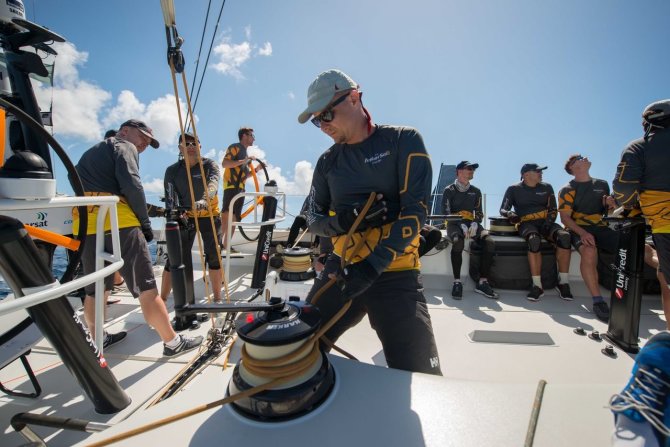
[[383, 279]]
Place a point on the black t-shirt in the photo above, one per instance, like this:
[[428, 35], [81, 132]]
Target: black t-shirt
[[538, 202], [584, 200], [468, 203]]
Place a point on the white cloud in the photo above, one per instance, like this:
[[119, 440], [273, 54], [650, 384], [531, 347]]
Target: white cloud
[[154, 186], [265, 50], [291, 95], [232, 56], [298, 185]]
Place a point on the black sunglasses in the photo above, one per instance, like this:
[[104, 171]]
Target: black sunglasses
[[328, 114], [576, 159]]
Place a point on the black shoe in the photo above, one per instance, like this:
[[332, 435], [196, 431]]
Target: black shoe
[[535, 294], [564, 291], [484, 288], [457, 290], [185, 344], [602, 311], [111, 339]]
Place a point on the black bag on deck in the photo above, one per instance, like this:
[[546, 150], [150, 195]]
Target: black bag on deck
[[510, 268]]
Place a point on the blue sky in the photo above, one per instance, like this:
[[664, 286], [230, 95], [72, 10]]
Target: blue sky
[[500, 82]]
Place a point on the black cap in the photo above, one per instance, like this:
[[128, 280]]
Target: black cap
[[187, 136], [532, 167], [142, 127], [467, 164]]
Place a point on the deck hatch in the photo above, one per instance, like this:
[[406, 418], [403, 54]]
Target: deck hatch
[[511, 337]]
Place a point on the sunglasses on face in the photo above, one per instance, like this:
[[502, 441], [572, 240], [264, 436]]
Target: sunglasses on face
[[328, 114], [577, 159], [190, 144]]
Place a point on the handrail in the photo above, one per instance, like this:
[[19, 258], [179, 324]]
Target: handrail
[[107, 206], [254, 223]]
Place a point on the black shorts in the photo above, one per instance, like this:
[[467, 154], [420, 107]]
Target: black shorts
[[137, 270], [228, 195], [397, 311], [542, 227], [454, 230], [662, 243], [606, 238], [209, 244]]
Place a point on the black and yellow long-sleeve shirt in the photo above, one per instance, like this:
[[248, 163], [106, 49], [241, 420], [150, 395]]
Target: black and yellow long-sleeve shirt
[[584, 201], [530, 203], [467, 204], [392, 161], [642, 175], [176, 176]]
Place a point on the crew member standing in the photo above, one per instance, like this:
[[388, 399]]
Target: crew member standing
[[111, 167], [642, 176], [383, 280], [236, 170]]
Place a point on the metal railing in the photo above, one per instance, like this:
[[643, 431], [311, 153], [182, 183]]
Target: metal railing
[[38, 295]]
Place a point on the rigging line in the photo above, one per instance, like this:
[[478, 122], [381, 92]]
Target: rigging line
[[202, 39], [189, 118]]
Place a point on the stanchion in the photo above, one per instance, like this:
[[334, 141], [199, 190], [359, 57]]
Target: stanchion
[[626, 287]]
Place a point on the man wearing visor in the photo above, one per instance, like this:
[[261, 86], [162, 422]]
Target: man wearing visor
[[535, 214], [383, 279]]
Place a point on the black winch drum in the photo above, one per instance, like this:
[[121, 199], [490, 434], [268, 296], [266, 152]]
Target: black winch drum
[[501, 226]]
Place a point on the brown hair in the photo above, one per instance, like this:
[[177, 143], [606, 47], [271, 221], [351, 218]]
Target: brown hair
[[571, 160], [243, 131]]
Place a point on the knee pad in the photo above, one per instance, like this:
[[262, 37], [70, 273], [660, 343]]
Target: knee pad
[[457, 244], [534, 242], [563, 239]]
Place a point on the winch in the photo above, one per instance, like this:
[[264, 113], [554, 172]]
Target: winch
[[280, 343]]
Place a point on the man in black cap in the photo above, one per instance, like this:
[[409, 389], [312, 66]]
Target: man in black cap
[[111, 167], [642, 177], [465, 199], [178, 193], [535, 214], [582, 204], [383, 279]]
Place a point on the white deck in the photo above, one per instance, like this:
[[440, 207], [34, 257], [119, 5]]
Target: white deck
[[484, 399]]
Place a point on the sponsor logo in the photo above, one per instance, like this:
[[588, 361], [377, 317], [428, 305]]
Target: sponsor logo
[[288, 324], [434, 362], [265, 254], [377, 157], [15, 7], [89, 339], [621, 282], [41, 221]]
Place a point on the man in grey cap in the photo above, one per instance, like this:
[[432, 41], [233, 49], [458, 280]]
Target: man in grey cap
[[383, 277], [111, 167]]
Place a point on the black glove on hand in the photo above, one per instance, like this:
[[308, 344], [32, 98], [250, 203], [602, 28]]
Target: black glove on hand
[[356, 279], [375, 217], [513, 218], [148, 233]]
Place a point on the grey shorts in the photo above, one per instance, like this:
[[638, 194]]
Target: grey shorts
[[137, 270]]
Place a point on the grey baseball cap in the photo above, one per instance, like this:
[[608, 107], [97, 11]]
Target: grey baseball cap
[[322, 91]]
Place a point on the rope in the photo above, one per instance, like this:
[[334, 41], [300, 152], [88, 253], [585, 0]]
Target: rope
[[280, 370]]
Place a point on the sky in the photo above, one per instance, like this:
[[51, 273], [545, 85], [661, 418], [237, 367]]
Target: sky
[[498, 82]]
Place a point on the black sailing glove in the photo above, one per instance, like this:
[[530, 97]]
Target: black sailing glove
[[148, 233], [356, 279], [375, 217]]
